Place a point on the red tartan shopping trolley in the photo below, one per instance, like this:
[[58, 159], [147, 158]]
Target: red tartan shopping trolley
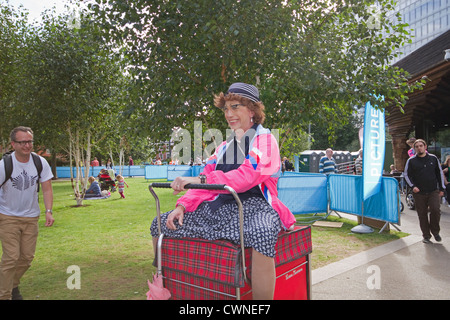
[[198, 269]]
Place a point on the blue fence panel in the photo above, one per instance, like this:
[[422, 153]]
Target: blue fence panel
[[127, 171], [303, 193], [293, 173], [156, 172], [346, 196], [64, 172], [95, 171], [135, 170], [384, 205], [345, 193], [178, 171], [169, 172], [196, 170]]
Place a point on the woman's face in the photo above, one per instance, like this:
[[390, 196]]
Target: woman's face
[[237, 115]]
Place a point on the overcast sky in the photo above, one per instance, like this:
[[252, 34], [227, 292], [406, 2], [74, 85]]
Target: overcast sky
[[35, 7]]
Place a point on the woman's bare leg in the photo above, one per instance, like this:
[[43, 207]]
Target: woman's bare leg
[[263, 276], [155, 244]]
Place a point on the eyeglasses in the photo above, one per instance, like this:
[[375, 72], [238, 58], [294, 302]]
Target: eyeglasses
[[233, 107], [23, 143]]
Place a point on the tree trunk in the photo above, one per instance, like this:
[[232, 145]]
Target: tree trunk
[[53, 165], [79, 184]]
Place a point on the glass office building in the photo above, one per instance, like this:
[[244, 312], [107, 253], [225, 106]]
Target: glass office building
[[427, 112], [427, 19]]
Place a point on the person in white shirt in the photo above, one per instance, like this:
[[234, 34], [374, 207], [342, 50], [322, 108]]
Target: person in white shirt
[[19, 211]]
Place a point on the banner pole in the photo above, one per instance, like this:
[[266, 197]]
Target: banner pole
[[362, 228]]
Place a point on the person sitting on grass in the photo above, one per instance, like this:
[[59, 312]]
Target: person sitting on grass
[[94, 189]]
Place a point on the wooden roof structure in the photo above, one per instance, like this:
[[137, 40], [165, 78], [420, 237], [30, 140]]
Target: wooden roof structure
[[433, 102], [426, 108]]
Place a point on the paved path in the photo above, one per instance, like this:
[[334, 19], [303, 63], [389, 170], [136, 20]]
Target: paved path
[[402, 269]]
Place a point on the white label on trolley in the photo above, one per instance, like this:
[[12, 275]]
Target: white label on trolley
[[293, 273]]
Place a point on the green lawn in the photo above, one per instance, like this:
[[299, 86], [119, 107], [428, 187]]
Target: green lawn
[[110, 242]]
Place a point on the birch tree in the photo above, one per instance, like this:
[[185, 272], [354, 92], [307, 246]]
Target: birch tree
[[69, 80]]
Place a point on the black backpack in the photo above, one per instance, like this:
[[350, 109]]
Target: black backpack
[[7, 160]]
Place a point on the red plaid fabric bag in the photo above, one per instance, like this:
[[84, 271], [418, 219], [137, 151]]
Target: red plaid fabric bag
[[197, 269], [293, 245]]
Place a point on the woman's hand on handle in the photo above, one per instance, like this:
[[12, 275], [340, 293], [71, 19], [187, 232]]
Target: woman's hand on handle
[[178, 184]]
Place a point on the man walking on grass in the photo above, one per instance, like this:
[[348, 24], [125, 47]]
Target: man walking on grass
[[424, 175], [19, 209]]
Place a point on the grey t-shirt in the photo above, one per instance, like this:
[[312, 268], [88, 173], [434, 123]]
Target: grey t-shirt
[[18, 196]]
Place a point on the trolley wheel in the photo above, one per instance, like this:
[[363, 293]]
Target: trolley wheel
[[410, 201]]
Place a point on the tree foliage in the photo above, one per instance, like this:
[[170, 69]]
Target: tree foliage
[[13, 28], [308, 58], [343, 136], [313, 61], [65, 82]]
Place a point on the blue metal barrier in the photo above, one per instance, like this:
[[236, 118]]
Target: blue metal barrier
[[385, 204], [64, 172], [346, 196], [303, 193], [127, 171], [149, 172], [178, 171], [170, 172], [345, 193], [196, 170], [155, 172]]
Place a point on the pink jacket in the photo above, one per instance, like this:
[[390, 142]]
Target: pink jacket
[[261, 167]]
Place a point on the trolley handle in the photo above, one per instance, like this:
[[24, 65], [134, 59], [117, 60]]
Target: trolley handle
[[190, 186], [207, 187]]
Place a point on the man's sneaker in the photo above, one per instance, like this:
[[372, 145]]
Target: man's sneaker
[[438, 238], [426, 240], [15, 294]]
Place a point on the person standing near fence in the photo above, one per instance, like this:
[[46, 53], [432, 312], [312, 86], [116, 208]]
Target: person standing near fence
[[358, 162], [327, 164], [95, 162], [424, 175], [19, 210], [286, 165]]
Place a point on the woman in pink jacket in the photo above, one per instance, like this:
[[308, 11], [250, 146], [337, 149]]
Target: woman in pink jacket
[[249, 162]]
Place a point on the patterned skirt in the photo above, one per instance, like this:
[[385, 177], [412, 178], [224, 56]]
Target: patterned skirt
[[261, 225]]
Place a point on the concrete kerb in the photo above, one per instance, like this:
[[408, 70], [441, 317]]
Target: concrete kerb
[[409, 224]]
